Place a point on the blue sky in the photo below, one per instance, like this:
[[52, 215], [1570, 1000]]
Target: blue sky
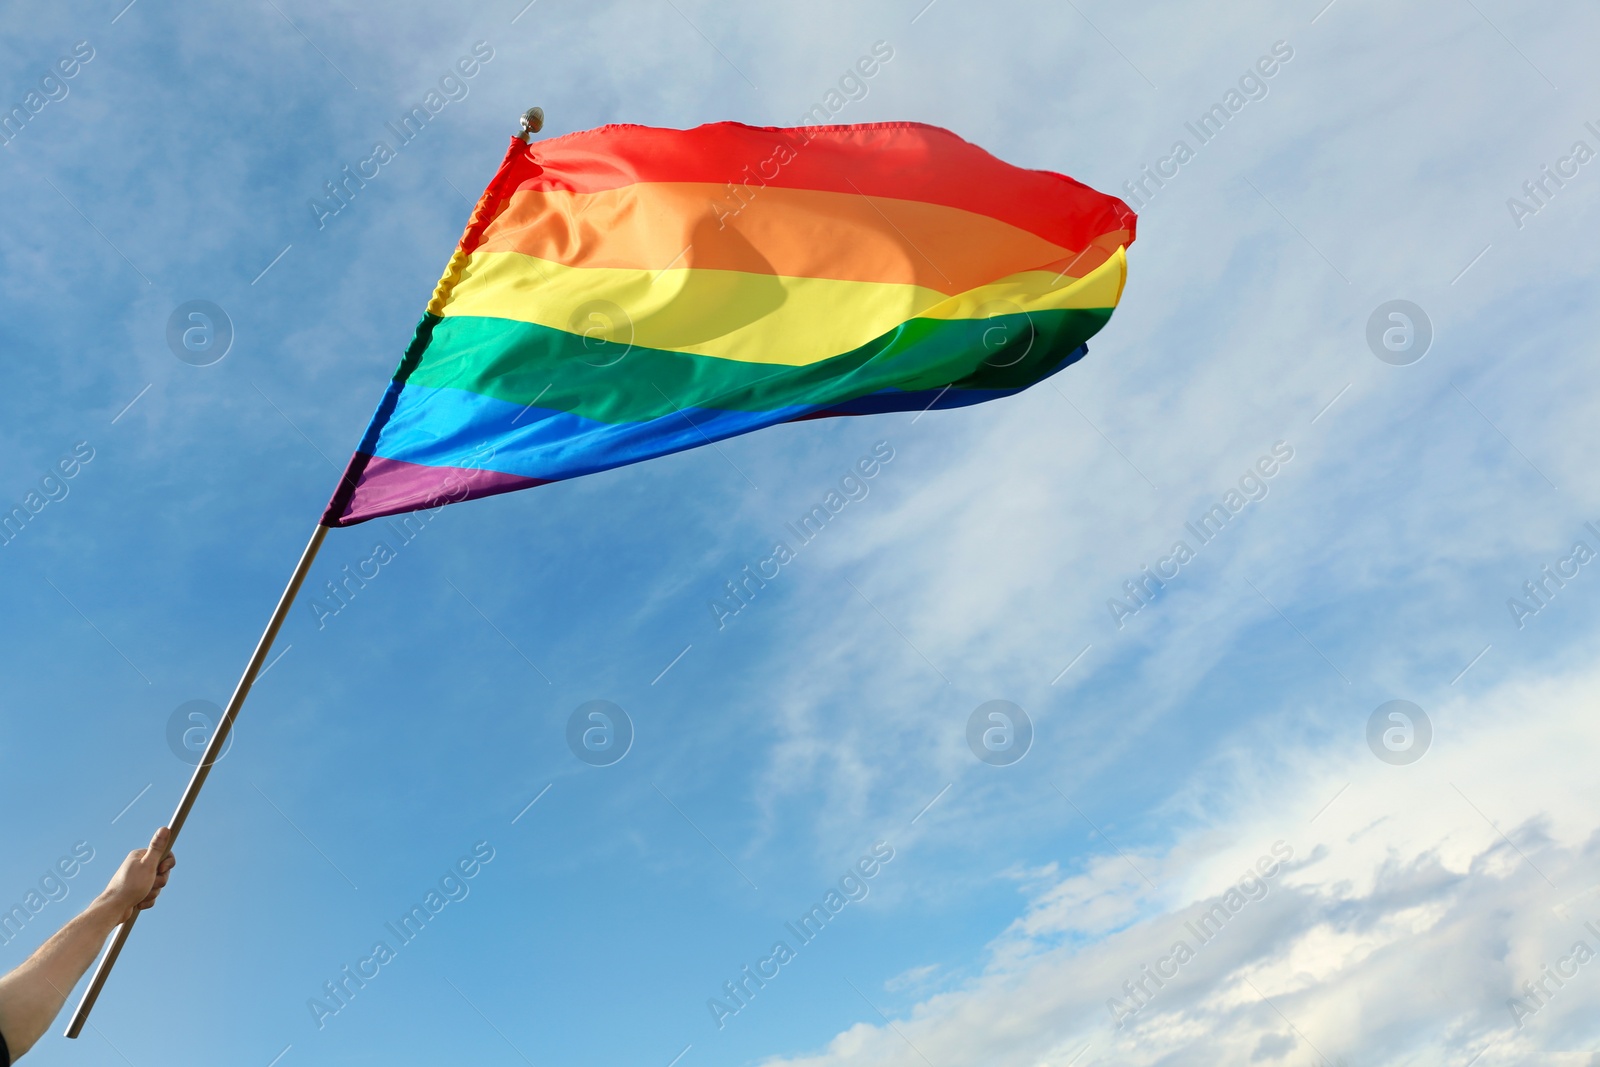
[[1227, 717]]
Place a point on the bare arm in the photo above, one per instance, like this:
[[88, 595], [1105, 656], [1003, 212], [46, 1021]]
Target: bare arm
[[31, 995]]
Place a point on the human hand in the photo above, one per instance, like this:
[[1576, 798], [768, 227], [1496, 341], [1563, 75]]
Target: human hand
[[140, 879]]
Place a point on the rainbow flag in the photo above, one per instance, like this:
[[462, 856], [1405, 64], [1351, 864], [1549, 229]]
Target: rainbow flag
[[627, 292]]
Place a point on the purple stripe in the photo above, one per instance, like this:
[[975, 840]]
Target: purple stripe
[[392, 486]]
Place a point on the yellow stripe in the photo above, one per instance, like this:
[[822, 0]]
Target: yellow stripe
[[752, 318]]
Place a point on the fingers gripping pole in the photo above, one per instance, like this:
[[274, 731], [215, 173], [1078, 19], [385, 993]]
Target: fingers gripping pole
[[213, 749]]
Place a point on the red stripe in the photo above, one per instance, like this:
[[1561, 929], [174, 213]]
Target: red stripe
[[900, 160]]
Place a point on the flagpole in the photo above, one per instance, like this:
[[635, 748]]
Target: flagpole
[[531, 123], [213, 750]]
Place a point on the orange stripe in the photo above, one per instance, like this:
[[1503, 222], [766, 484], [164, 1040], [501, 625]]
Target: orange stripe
[[794, 233]]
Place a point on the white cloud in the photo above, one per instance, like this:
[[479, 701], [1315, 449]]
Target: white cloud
[[1414, 907]]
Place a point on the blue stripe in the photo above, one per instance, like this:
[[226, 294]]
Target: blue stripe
[[456, 428]]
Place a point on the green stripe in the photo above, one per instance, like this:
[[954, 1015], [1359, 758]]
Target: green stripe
[[525, 363]]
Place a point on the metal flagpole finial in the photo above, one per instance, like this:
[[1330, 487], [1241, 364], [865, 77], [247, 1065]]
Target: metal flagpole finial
[[532, 123]]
